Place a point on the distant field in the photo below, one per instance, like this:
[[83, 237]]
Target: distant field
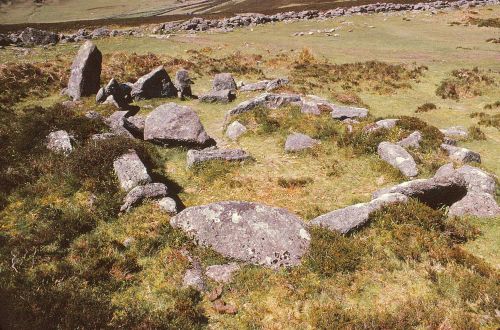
[[52, 11]]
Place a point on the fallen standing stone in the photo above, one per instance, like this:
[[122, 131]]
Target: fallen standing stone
[[398, 157], [140, 193], [299, 142], [195, 157]]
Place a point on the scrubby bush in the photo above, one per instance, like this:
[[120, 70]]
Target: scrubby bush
[[426, 107], [331, 252], [487, 119], [294, 182], [475, 133], [465, 83]]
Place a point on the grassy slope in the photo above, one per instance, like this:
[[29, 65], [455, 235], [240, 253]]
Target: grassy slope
[[426, 40]]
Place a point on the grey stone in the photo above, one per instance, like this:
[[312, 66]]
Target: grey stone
[[455, 132], [119, 92], [298, 142], [411, 141], [476, 179], [130, 171], [355, 216], [223, 81], [33, 37], [476, 204], [59, 142], [168, 205], [195, 157], [222, 273], [268, 100], [140, 193], [135, 125], [171, 124], [85, 72], [116, 122], [276, 83], [155, 84], [245, 231], [343, 112], [384, 123], [102, 136], [398, 158], [315, 105], [220, 96], [194, 277], [462, 155], [183, 83], [253, 87], [235, 130]]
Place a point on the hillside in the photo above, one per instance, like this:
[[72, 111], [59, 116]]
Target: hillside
[[151, 241]]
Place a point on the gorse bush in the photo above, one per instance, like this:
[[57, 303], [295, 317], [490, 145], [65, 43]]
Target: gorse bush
[[487, 119], [426, 107], [465, 83]]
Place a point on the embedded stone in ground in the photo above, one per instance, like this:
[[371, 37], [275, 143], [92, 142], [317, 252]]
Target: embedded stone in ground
[[130, 171], [252, 232], [462, 155], [195, 157], [343, 112], [59, 142], [235, 130], [140, 193], [411, 141], [398, 158], [222, 273], [355, 216], [298, 142], [220, 96]]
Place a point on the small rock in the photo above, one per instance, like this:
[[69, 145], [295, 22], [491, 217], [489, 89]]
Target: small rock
[[222, 273], [221, 96], [168, 205], [344, 112], [59, 142], [298, 142], [183, 84], [116, 122], [462, 155], [139, 193], [398, 157], [235, 130], [130, 171], [223, 81], [384, 123], [194, 277], [476, 204], [135, 125], [195, 157], [411, 141], [455, 132]]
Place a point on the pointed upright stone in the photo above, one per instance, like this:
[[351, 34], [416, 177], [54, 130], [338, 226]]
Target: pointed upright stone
[[85, 72]]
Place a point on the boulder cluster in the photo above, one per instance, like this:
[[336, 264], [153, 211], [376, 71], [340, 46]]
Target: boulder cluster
[[251, 232]]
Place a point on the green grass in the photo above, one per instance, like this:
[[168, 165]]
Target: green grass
[[410, 268]]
